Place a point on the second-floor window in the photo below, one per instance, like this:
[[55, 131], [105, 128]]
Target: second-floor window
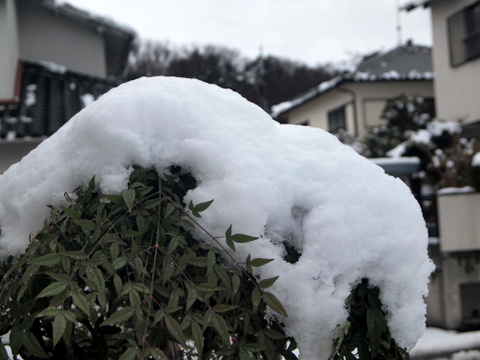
[[464, 35], [337, 120]]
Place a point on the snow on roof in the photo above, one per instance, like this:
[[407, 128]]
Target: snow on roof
[[283, 183], [406, 62]]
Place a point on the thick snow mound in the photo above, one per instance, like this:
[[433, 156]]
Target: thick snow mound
[[347, 218]]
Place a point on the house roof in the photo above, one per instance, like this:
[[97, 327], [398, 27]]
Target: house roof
[[118, 38], [403, 63]]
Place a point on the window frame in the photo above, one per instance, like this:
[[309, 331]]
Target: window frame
[[336, 118], [459, 35]]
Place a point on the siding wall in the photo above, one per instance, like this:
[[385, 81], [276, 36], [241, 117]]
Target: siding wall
[[370, 100], [45, 36], [8, 40], [456, 89]]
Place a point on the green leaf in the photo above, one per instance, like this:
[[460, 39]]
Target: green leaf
[[114, 250], [259, 262], [58, 277], [202, 206], [129, 354], [15, 266], [29, 271], [256, 298], [119, 263], [197, 337], [221, 326], [272, 334], [265, 283], [117, 283], [244, 355], [211, 260], [50, 311], [86, 225], [206, 287], [191, 297], [44, 237], [141, 287], [32, 345], [59, 326], [81, 302], [16, 338], [275, 304], [3, 353], [129, 198], [235, 283], [158, 354], [130, 233], [53, 289], [119, 317], [242, 238], [71, 212], [230, 243], [175, 329], [375, 320], [77, 255], [219, 308], [47, 260], [151, 204]]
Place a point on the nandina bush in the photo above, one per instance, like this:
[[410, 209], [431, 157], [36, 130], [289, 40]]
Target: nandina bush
[[121, 277]]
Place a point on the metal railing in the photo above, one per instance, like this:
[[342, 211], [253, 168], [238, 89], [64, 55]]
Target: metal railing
[[48, 98]]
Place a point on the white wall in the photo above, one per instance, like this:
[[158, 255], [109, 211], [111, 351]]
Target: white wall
[[370, 100], [9, 48], [46, 36], [457, 89]]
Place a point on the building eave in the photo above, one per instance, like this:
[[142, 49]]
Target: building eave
[[287, 106], [118, 38]]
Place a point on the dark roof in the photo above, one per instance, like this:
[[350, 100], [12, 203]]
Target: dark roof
[[403, 63]]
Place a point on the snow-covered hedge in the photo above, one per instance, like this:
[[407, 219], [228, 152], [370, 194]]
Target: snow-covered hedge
[[293, 186]]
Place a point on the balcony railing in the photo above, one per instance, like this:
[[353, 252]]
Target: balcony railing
[[48, 97]]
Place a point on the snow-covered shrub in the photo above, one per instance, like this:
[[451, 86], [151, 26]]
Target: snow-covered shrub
[[121, 277], [327, 216]]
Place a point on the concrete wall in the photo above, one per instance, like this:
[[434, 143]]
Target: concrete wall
[[12, 152], [45, 36], [370, 99], [9, 46], [459, 221], [456, 88]]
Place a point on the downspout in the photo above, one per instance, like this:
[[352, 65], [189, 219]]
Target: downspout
[[354, 104]]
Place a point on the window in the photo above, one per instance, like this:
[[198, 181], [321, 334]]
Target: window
[[304, 123], [464, 35], [337, 120]]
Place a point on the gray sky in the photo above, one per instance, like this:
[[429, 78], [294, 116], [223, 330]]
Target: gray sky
[[312, 31]]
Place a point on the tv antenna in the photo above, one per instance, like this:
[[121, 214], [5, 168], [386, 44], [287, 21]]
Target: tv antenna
[[399, 23]]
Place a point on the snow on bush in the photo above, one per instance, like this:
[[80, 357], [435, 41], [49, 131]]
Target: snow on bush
[[284, 183]]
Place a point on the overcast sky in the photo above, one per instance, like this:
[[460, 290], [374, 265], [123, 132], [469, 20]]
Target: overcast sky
[[312, 31]]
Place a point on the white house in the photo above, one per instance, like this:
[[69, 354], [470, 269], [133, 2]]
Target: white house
[[54, 59], [354, 101], [454, 300]]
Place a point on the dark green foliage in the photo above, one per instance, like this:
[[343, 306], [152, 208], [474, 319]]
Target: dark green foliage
[[403, 114], [365, 335], [121, 277], [265, 81]]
